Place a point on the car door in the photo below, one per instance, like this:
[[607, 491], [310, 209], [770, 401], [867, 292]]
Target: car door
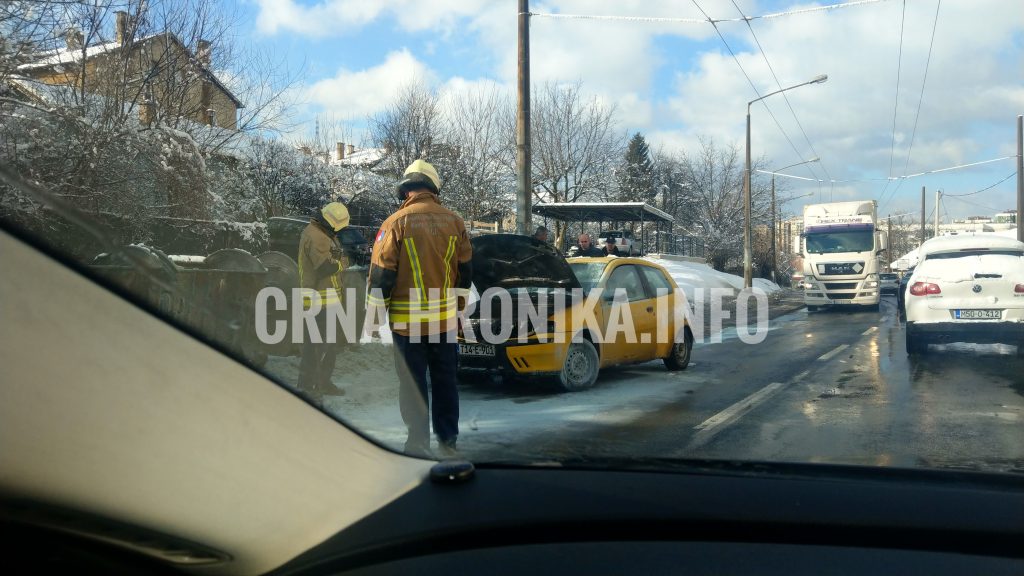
[[662, 295], [623, 326]]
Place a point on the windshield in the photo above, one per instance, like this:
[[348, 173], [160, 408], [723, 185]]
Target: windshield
[[832, 242], [185, 155]]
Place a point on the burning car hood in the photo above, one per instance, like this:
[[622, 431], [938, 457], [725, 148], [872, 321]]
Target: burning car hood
[[513, 261]]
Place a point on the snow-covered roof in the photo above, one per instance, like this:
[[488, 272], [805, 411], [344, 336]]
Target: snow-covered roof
[[62, 56], [601, 211], [361, 157]]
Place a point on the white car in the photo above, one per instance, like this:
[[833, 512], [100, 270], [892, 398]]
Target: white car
[[623, 240], [967, 288]]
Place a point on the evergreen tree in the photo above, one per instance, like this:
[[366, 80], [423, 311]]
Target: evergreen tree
[[636, 177]]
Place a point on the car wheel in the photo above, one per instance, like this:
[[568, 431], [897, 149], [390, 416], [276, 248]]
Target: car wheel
[[679, 359], [915, 343], [579, 370]]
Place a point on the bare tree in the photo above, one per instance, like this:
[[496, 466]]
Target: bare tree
[[575, 143], [409, 129], [713, 204], [107, 102], [479, 185]]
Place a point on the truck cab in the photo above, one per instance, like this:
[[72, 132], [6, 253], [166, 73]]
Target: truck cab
[[840, 246]]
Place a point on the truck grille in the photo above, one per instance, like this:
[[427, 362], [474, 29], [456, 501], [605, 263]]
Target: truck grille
[[841, 269], [841, 285]]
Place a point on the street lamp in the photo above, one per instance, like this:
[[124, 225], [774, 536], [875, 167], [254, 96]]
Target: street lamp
[[774, 245], [748, 265]]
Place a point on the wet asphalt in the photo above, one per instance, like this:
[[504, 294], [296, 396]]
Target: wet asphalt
[[833, 387]]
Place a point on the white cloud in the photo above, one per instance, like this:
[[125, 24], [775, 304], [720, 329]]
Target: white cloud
[[971, 99], [356, 94], [331, 17]]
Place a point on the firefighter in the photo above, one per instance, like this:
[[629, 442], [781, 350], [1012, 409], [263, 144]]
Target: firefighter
[[420, 272], [321, 262]]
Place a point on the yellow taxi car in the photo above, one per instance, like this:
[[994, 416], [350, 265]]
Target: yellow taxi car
[[540, 315]]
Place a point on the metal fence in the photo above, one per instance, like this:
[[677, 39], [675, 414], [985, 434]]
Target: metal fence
[[678, 244]]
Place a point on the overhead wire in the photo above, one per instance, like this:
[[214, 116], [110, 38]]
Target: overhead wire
[[896, 103], [1011, 175], [749, 81], [906, 176], [786, 98], [961, 199], [654, 19], [917, 115]]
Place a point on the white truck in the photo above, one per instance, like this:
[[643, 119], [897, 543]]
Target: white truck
[[840, 246]]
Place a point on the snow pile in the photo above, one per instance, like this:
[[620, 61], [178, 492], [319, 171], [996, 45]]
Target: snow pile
[[692, 275]]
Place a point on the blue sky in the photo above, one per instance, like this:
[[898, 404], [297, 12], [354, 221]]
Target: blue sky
[[675, 81]]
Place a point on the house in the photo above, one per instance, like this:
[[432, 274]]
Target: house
[[158, 75]]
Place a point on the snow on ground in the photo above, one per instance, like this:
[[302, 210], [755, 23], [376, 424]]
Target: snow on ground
[[691, 276], [494, 417]]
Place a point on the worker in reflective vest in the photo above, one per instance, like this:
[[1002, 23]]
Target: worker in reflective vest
[[321, 262], [421, 272]]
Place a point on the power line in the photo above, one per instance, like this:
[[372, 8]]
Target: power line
[[749, 81], [1012, 174], [917, 115], [654, 19], [906, 176], [896, 103], [927, 62], [960, 199], [895, 108], [784, 96]]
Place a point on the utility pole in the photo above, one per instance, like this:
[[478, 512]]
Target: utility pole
[[938, 201], [1020, 177], [888, 234], [748, 259], [524, 180], [922, 216]]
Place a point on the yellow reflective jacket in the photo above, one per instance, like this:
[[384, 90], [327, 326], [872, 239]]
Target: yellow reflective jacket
[[423, 243], [321, 262]]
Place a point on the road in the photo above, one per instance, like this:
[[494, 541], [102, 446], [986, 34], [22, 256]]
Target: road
[[835, 386]]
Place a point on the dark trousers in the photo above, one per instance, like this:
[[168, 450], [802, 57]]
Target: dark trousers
[[412, 361], [317, 363]]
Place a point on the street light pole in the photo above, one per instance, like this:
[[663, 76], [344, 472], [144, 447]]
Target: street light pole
[[748, 261], [774, 250]]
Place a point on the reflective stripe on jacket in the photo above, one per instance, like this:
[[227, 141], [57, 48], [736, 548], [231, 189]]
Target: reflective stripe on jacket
[[319, 267], [423, 243]]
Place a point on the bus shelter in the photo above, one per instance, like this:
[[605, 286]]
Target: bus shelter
[[608, 216]]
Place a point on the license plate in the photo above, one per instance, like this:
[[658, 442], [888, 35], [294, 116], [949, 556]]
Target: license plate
[[978, 314], [476, 349]]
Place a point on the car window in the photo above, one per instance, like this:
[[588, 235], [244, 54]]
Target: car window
[[656, 281], [625, 278]]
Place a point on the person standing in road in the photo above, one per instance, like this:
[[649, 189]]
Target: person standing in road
[[610, 248], [541, 233], [321, 262], [421, 271]]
